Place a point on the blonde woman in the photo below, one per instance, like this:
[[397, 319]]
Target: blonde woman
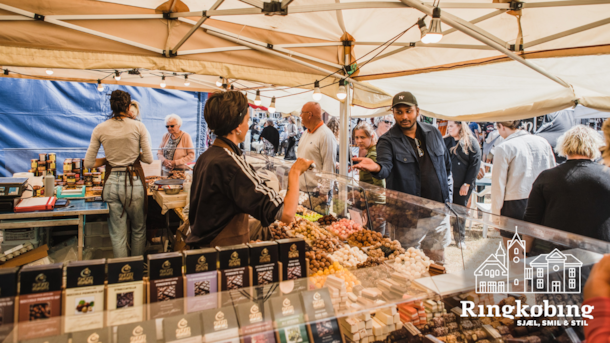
[[366, 139], [465, 163], [574, 196]]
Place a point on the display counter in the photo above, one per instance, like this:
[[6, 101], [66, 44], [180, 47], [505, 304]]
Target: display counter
[[378, 254]]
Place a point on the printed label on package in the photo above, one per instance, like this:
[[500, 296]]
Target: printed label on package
[[91, 336], [233, 280], [294, 334], [287, 310], [318, 304], [185, 328], [263, 337], [84, 308], [163, 296], [124, 303], [265, 274], [140, 332], [325, 331], [202, 291]]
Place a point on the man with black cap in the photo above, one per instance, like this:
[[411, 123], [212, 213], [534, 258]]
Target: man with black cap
[[413, 159]]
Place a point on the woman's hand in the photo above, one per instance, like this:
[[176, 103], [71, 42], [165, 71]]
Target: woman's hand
[[301, 165], [464, 190], [169, 164], [367, 164]]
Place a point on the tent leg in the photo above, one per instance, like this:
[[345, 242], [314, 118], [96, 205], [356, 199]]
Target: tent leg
[[344, 133]]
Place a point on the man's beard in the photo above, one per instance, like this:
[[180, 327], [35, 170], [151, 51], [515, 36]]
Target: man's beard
[[405, 124]]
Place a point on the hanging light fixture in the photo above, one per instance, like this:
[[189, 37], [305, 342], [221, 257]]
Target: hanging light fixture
[[186, 80], [219, 82], [6, 72], [271, 107], [117, 75], [435, 33], [49, 71], [100, 86], [257, 100], [341, 92], [162, 82], [317, 95], [232, 88]]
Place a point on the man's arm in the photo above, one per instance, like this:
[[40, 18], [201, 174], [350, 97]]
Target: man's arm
[[534, 213], [447, 159], [385, 159]]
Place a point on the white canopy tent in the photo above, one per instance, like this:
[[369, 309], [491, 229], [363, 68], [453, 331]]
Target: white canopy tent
[[498, 59]]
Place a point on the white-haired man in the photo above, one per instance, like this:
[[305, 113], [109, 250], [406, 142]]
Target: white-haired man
[[176, 147]]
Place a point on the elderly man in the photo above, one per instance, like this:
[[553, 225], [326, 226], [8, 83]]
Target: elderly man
[[318, 143], [413, 159]]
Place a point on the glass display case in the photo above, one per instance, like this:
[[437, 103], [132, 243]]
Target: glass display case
[[387, 262]]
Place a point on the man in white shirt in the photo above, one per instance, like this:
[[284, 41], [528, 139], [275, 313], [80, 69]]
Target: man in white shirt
[[318, 142]]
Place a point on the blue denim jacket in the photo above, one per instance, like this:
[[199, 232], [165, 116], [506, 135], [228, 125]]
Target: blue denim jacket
[[399, 165]]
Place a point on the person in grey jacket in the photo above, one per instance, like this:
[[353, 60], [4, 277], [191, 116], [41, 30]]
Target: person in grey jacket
[[517, 163], [412, 158]]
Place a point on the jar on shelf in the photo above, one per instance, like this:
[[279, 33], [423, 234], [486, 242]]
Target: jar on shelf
[[42, 157], [37, 191], [88, 179], [34, 164], [67, 165], [97, 178], [52, 157]]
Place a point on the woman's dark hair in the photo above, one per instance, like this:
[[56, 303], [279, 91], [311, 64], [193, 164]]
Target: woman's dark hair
[[225, 111], [119, 102]]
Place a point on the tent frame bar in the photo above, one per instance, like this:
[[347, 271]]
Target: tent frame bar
[[104, 16], [452, 30], [476, 33], [188, 35], [266, 46], [567, 33], [255, 3], [440, 45]]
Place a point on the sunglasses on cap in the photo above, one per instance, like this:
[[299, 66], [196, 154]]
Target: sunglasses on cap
[[168, 126], [387, 121]]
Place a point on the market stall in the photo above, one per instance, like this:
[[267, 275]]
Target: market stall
[[324, 278]]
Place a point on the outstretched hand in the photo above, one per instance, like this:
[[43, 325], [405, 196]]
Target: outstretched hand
[[301, 165], [366, 164]]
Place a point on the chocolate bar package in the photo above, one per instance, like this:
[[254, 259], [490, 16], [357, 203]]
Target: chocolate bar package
[[233, 256], [263, 260], [201, 279], [92, 336], [318, 304], [125, 295], [84, 297], [40, 301], [287, 310], [288, 319], [234, 273], [292, 255], [185, 328], [166, 285], [220, 325], [235, 285], [139, 332], [8, 291], [254, 317], [325, 331], [51, 339]]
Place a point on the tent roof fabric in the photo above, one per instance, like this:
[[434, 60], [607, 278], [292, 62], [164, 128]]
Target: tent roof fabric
[[476, 72]]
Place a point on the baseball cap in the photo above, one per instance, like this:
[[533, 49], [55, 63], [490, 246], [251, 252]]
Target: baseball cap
[[404, 98]]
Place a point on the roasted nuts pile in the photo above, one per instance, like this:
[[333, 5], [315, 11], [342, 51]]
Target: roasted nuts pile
[[308, 230], [318, 261], [364, 238], [349, 257], [386, 249], [371, 262], [329, 245], [278, 230], [343, 228], [327, 220]]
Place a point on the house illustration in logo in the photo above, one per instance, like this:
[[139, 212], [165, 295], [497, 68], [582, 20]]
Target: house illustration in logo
[[555, 272]]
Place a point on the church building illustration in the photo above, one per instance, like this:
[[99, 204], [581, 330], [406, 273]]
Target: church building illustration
[[555, 272]]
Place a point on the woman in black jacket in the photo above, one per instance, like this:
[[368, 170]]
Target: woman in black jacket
[[465, 163]]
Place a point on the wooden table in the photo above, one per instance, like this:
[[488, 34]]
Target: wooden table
[[57, 217]]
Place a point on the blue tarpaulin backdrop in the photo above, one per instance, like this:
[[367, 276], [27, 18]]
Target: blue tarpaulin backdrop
[[42, 115]]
